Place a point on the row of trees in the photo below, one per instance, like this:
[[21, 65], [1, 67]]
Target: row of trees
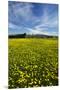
[[18, 36]]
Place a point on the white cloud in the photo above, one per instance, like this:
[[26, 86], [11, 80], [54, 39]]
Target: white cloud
[[13, 26], [44, 24], [24, 10], [33, 31], [47, 20], [10, 25], [36, 31]]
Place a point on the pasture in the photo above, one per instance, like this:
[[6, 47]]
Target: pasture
[[32, 62]]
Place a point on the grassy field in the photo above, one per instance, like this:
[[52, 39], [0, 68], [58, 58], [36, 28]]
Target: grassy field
[[33, 62]]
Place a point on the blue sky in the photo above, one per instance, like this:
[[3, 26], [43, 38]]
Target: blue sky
[[32, 18]]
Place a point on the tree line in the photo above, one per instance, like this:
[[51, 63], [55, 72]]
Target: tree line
[[17, 36], [24, 35]]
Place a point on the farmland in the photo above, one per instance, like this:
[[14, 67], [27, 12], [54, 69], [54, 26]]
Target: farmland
[[32, 62]]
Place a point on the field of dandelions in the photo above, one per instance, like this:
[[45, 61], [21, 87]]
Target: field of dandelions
[[32, 62]]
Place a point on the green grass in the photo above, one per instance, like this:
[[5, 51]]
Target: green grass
[[33, 62]]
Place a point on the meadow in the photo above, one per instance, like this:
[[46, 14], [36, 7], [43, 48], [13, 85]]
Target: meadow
[[32, 62]]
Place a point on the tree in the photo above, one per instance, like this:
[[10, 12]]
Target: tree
[[24, 35]]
